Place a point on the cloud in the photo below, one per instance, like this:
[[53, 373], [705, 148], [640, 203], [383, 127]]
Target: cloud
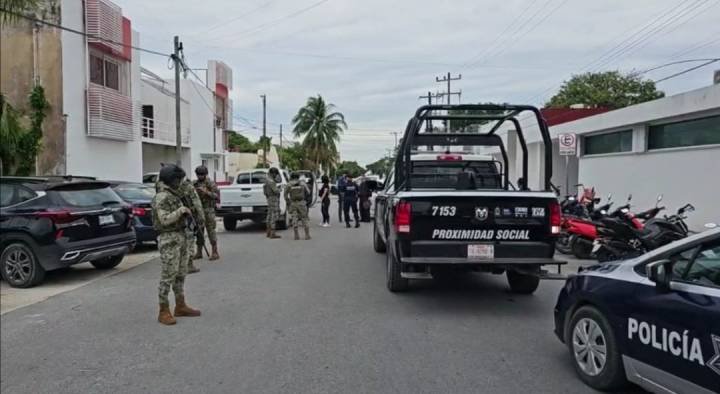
[[373, 58]]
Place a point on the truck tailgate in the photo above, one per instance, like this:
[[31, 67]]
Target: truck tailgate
[[242, 196], [481, 226]]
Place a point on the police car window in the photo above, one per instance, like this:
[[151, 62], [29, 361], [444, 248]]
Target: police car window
[[705, 269], [681, 262], [7, 194]]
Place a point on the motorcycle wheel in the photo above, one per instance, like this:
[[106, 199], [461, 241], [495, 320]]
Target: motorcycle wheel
[[581, 248], [562, 244]]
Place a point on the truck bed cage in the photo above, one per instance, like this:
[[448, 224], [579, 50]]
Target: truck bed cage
[[498, 113]]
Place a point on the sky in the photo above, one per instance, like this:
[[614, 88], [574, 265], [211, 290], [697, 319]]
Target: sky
[[373, 59]]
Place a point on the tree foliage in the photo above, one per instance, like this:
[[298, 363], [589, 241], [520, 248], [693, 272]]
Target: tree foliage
[[609, 89], [320, 127], [381, 167], [21, 136], [240, 143], [351, 168], [458, 126], [293, 157]]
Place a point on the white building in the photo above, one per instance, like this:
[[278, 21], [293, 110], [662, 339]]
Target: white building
[[669, 146], [205, 112]]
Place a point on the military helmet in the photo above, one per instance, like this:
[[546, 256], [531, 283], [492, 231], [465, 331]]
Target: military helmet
[[201, 170], [170, 174], [274, 171]]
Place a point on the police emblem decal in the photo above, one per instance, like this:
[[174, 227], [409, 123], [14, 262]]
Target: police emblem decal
[[714, 362], [481, 213]]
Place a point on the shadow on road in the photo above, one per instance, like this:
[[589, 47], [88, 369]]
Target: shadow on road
[[247, 226]]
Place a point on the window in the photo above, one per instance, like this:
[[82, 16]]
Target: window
[[694, 132], [243, 179], [704, 270], [259, 177], [619, 141], [87, 197], [13, 194], [106, 72]]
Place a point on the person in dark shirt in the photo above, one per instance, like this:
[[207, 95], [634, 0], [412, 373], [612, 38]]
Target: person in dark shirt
[[325, 201], [364, 193], [350, 197], [342, 181]]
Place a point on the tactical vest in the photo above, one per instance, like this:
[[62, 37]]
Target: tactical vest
[[297, 192]]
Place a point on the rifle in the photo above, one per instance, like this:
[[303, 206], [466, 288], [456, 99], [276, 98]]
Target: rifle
[[192, 223]]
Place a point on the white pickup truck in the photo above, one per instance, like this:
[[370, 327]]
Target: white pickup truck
[[244, 199]]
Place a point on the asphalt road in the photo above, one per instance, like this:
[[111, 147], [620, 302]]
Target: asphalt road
[[282, 316]]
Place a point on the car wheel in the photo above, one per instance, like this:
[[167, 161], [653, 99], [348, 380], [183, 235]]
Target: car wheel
[[378, 244], [20, 266], [522, 283], [594, 350], [395, 281], [229, 223], [108, 262]]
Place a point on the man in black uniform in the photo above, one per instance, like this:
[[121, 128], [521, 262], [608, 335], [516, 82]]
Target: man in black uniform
[[350, 197]]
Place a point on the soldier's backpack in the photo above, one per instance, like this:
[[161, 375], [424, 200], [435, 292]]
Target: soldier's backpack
[[297, 192]]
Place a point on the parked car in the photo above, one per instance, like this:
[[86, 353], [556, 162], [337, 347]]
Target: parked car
[[51, 223], [139, 196], [150, 177], [653, 320], [245, 199]]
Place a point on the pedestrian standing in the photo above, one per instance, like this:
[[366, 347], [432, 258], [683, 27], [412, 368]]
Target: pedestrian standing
[[350, 198], [208, 192], [342, 181], [325, 201], [190, 198], [296, 199], [364, 194], [172, 219], [272, 194]]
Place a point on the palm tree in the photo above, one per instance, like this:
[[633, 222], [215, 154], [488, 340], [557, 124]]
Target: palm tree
[[321, 129]]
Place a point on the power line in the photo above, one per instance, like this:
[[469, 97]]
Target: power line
[[274, 22], [672, 64], [224, 23], [686, 71], [82, 33]]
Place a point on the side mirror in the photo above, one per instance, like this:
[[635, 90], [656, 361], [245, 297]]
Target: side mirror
[[660, 272], [629, 197]]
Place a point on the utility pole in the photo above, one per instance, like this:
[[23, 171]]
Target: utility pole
[[395, 133], [265, 148], [280, 151], [449, 78], [429, 97], [178, 129]]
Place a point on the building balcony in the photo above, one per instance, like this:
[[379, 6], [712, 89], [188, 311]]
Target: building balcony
[[162, 133], [111, 114]]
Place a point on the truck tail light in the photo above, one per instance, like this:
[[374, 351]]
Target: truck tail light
[[403, 213], [449, 157], [555, 217]]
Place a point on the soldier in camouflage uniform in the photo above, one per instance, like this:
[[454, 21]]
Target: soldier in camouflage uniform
[[171, 219], [272, 193], [208, 193], [191, 200], [296, 195]]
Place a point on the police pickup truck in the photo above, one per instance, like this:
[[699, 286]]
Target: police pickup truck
[[445, 209]]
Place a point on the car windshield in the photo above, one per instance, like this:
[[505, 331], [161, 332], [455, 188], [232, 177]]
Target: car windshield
[[135, 192], [87, 197], [449, 175]]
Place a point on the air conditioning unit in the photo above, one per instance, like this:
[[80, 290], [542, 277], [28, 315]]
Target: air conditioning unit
[[716, 79]]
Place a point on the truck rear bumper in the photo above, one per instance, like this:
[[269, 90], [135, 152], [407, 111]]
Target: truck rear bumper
[[465, 260]]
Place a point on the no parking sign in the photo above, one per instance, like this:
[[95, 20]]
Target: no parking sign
[[568, 144]]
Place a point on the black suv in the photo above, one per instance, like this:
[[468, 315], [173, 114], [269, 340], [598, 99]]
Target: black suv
[[51, 223], [139, 196]]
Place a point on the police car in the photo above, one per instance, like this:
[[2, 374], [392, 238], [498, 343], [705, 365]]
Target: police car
[[653, 320]]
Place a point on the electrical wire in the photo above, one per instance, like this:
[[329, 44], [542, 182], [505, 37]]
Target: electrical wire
[[686, 71], [82, 33], [224, 23], [672, 64]]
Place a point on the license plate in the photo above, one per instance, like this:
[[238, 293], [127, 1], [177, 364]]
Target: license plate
[[481, 251], [106, 219], [246, 209]]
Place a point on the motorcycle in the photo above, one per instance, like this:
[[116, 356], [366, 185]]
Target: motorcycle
[[617, 240], [577, 211]]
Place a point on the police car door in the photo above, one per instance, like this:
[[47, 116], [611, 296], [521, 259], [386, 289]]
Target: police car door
[[673, 335]]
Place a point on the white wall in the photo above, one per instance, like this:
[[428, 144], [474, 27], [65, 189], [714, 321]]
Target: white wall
[[102, 158], [202, 124], [682, 176], [154, 154], [164, 104]]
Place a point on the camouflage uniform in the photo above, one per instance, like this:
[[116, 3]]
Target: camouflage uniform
[[208, 193], [295, 197], [272, 193], [187, 192], [171, 225]]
